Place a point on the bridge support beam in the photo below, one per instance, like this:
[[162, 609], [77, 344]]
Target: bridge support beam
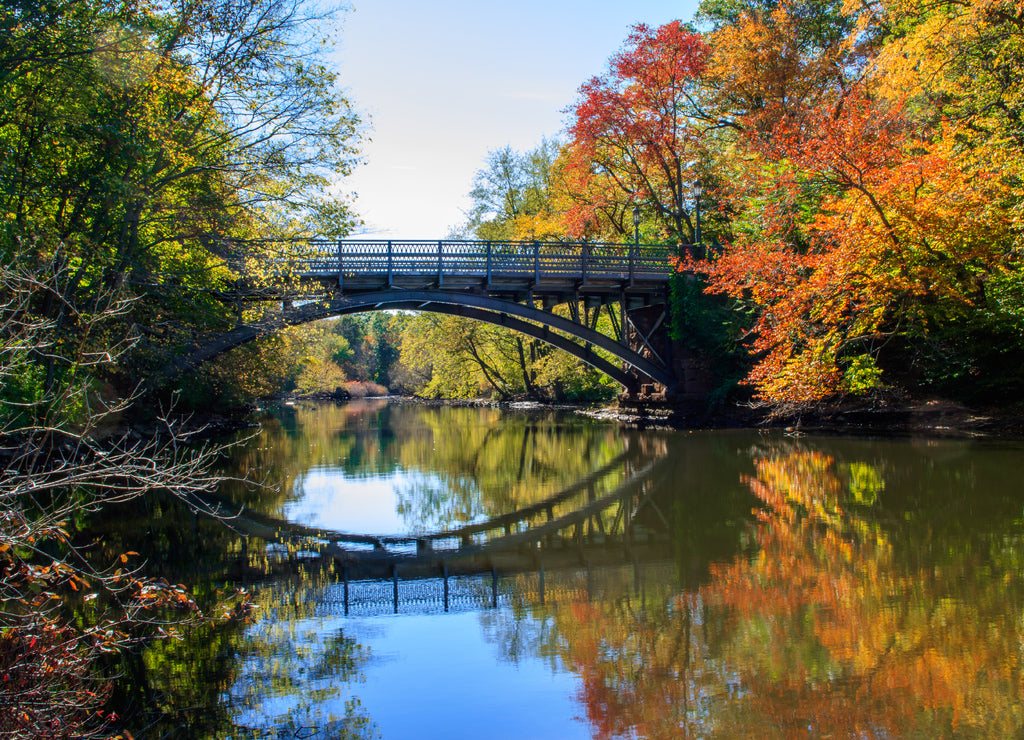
[[647, 332]]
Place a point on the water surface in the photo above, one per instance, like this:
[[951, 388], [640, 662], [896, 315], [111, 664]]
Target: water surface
[[753, 585]]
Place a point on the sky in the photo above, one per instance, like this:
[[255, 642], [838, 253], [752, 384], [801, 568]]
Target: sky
[[442, 83]]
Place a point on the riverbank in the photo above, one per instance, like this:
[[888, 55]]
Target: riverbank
[[934, 417], [937, 417]]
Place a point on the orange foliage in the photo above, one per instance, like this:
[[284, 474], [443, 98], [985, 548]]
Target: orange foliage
[[865, 230], [770, 64]]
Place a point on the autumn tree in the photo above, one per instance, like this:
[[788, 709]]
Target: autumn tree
[[959, 68], [865, 228], [865, 231], [770, 60], [637, 135]]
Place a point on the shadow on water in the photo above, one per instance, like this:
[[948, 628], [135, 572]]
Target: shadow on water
[[685, 585]]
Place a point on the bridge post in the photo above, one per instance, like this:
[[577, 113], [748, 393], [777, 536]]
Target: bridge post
[[440, 276], [341, 252], [390, 265], [488, 263], [344, 571], [623, 331], [536, 262]]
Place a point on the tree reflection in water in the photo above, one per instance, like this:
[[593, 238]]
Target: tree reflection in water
[[301, 671], [845, 619], [456, 465]]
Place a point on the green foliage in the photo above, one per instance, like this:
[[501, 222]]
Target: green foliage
[[319, 376], [512, 193], [143, 146], [862, 375], [712, 328], [453, 357], [23, 388], [1005, 293], [387, 328]]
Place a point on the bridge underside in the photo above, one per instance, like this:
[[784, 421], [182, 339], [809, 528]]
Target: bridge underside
[[576, 334], [512, 287]]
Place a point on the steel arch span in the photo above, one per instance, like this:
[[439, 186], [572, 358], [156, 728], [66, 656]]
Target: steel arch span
[[534, 322]]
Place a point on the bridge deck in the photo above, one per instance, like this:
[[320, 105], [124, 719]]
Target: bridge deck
[[541, 266]]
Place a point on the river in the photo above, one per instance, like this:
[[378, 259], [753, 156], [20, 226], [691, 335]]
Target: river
[[536, 574]]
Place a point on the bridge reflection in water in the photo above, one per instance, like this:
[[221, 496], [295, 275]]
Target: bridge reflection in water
[[600, 532], [550, 587]]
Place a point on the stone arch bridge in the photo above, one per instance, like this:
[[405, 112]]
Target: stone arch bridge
[[554, 292]]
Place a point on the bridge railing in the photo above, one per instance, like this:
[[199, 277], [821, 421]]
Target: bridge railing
[[540, 260]]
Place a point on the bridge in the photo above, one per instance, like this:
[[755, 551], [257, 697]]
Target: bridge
[[556, 292]]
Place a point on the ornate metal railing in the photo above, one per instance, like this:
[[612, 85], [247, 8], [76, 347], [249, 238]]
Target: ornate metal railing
[[490, 259]]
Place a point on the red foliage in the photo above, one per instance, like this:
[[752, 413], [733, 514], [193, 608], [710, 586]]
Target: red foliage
[[633, 138]]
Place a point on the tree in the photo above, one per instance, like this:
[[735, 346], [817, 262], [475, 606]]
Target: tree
[[512, 195], [144, 147], [636, 135], [866, 229], [60, 463], [455, 357], [320, 370], [771, 60]]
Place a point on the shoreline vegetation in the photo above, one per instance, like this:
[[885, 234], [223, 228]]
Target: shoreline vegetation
[[934, 417]]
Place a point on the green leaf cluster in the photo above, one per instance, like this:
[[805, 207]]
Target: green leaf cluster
[[147, 151]]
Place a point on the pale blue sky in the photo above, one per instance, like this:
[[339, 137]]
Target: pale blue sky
[[445, 81]]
